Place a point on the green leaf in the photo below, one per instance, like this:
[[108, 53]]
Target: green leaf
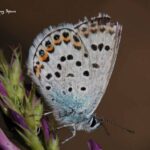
[[53, 144], [3, 64]]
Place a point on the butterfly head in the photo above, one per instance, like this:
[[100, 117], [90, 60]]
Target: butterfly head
[[90, 124]]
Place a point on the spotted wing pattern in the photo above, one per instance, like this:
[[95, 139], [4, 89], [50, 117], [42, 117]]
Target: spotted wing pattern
[[72, 64]]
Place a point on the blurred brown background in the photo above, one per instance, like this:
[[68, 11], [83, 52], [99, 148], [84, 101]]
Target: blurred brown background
[[127, 100]]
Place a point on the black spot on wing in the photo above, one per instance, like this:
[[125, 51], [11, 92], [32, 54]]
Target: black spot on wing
[[59, 66], [48, 76], [70, 75], [62, 58], [48, 87], [86, 55], [86, 73], [76, 39], [107, 47], [94, 47], [95, 65], [100, 46], [65, 34], [57, 74], [70, 57], [70, 89], [56, 37], [47, 43], [83, 88], [78, 63]]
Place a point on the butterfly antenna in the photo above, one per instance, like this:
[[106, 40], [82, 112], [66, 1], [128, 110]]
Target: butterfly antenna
[[104, 126], [106, 129], [119, 126]]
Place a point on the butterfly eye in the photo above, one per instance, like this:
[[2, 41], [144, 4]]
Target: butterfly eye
[[93, 122]]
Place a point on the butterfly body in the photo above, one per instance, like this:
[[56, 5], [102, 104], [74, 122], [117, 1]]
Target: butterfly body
[[72, 65]]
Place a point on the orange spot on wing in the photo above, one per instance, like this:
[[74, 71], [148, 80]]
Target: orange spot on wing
[[66, 39], [50, 49], [78, 44], [44, 57], [57, 42], [37, 70]]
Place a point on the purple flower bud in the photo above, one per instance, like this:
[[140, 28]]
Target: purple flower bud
[[5, 143], [93, 145], [21, 77], [45, 128], [18, 118], [2, 89]]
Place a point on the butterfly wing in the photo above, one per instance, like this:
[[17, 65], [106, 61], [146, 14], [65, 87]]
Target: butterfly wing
[[102, 38], [71, 67]]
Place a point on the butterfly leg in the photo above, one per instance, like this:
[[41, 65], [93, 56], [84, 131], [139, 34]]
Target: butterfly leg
[[65, 126], [73, 134], [47, 113]]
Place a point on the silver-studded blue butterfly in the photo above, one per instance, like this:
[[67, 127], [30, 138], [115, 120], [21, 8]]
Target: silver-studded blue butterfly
[[72, 65]]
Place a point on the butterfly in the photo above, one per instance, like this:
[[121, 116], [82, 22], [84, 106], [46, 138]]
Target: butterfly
[[72, 65]]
